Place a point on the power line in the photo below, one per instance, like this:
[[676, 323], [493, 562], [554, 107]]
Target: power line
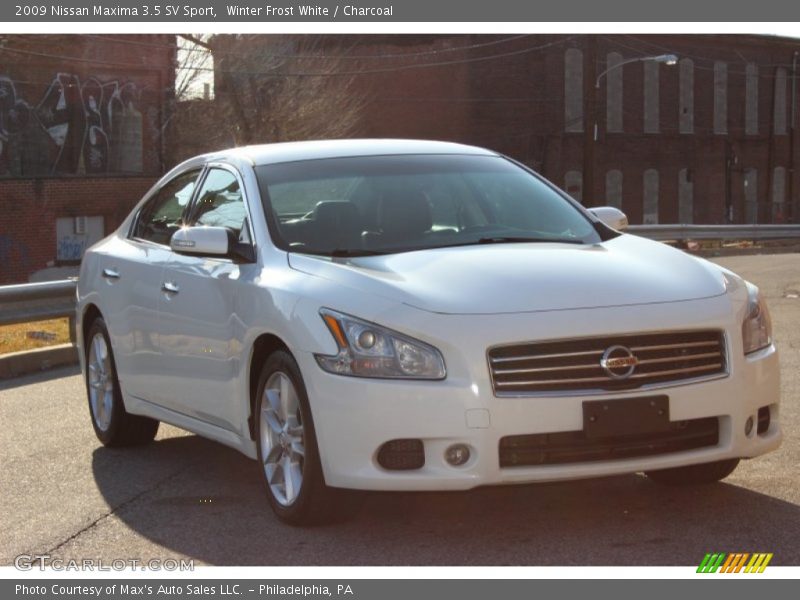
[[318, 56], [702, 58], [642, 52], [302, 74]]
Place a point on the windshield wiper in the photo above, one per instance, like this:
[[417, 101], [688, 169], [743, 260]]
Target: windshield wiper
[[339, 252], [353, 252], [521, 240]]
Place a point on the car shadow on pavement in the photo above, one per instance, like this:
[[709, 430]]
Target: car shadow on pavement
[[190, 497]]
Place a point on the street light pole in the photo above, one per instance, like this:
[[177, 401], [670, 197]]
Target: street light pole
[[590, 110], [667, 59]]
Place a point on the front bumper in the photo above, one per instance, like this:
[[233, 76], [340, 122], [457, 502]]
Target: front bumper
[[354, 417]]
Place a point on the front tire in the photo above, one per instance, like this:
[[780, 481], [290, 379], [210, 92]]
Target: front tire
[[695, 474], [287, 448], [113, 425]]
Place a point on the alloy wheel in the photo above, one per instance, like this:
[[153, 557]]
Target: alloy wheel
[[282, 438], [101, 382]]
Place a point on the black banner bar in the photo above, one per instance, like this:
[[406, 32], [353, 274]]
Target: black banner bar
[[732, 588], [271, 11]]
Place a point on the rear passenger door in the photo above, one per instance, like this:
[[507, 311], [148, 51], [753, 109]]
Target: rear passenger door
[[201, 331]]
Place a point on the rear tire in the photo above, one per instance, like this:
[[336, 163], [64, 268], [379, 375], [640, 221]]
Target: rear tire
[[113, 425], [695, 474], [288, 455]]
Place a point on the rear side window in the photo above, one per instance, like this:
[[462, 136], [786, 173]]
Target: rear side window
[[162, 215]]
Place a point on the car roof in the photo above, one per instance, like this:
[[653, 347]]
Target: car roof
[[295, 151]]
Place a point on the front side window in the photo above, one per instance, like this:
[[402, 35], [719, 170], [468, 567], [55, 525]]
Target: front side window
[[162, 215], [220, 203], [386, 204]]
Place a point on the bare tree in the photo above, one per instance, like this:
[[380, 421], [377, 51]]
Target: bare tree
[[195, 66], [271, 88]]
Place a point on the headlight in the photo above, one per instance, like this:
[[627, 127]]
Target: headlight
[[757, 326], [369, 350]]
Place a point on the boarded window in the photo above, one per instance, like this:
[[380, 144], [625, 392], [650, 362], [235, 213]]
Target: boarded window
[[573, 184], [573, 90], [685, 196], [778, 195], [614, 188], [720, 97], [650, 197], [651, 89], [751, 195], [779, 125], [686, 96], [614, 92], [751, 99]]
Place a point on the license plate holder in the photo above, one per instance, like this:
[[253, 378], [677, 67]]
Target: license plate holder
[[625, 416]]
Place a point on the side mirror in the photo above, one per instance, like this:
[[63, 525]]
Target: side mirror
[[204, 241], [610, 216]]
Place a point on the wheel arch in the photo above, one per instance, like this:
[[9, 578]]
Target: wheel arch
[[90, 313], [264, 345]]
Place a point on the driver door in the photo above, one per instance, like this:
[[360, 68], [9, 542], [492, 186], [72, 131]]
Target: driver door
[[200, 329]]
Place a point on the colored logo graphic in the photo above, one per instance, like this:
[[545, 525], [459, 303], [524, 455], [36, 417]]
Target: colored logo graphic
[[735, 562]]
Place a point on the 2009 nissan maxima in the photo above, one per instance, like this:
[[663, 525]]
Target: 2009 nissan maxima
[[410, 315]]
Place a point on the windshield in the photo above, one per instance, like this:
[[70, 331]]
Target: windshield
[[386, 204]]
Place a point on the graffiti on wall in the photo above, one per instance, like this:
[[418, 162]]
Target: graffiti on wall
[[77, 127]]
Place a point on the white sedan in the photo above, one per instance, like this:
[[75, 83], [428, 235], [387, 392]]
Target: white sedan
[[410, 315]]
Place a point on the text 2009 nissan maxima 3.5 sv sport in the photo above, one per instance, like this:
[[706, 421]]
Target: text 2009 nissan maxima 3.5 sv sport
[[402, 315]]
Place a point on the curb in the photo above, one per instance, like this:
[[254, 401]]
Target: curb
[[40, 359]]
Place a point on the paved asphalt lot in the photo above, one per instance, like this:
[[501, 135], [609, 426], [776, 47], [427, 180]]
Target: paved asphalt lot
[[63, 494]]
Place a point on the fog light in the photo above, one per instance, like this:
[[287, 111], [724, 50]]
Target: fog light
[[457, 455], [748, 426]]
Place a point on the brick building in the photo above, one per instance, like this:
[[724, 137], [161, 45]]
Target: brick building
[[82, 121], [710, 139]]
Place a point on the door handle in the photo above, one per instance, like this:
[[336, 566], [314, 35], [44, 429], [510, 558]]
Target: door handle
[[170, 287], [110, 274]]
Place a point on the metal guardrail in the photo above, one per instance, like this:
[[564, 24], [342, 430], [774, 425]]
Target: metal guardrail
[[29, 302], [717, 232]]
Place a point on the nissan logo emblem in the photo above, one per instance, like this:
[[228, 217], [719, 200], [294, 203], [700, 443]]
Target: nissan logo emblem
[[618, 362]]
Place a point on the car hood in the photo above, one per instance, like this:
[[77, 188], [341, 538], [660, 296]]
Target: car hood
[[508, 278]]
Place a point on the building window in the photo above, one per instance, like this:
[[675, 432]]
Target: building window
[[751, 195], [613, 93], [779, 124], [686, 96], [651, 88], [778, 195], [650, 197], [573, 184], [720, 97], [751, 99], [685, 196], [573, 90], [614, 188]]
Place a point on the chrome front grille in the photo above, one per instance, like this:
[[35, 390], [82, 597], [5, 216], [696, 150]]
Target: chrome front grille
[[606, 363]]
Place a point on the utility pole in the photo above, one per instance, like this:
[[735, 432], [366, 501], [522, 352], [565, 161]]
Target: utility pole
[[589, 120]]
